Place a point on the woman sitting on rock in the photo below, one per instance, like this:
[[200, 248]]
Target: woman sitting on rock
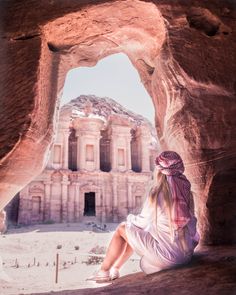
[[164, 234]]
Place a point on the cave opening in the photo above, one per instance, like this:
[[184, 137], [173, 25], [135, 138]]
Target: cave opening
[[81, 37], [178, 72], [113, 77], [63, 48], [221, 208]]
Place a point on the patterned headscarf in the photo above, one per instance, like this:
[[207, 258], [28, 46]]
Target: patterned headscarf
[[171, 164]]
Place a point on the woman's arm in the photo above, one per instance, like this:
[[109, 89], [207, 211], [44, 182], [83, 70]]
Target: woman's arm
[[143, 219]]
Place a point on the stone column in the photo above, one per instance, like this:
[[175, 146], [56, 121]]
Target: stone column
[[115, 200], [97, 152], [114, 149], [145, 155], [128, 153], [103, 185], [145, 138], [71, 202], [56, 197], [77, 201], [64, 198], [113, 152], [65, 149], [81, 153], [103, 217], [129, 200], [47, 196], [78, 150], [99, 205]]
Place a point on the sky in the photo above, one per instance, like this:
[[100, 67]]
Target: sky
[[114, 77]]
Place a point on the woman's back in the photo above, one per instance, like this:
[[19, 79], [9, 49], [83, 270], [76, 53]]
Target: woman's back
[[164, 234], [167, 216], [170, 244]]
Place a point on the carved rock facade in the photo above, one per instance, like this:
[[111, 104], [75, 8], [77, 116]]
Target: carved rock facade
[[99, 167]]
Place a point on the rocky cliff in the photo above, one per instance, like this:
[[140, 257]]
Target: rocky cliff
[[185, 53]]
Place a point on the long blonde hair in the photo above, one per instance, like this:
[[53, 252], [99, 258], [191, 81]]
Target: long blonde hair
[[160, 185]]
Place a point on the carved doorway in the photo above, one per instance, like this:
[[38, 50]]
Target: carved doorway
[[36, 209], [89, 204]]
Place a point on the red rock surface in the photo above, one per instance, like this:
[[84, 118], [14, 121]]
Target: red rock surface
[[212, 272], [185, 53]]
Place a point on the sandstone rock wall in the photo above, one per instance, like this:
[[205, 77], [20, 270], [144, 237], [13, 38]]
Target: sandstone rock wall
[[185, 54]]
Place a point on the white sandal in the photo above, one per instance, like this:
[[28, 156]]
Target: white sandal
[[100, 276], [114, 273]]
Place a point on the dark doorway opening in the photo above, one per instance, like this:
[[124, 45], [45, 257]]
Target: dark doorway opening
[[12, 210], [105, 158], [72, 150], [89, 204], [135, 151]]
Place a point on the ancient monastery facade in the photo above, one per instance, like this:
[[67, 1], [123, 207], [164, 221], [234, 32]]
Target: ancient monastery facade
[[99, 168]]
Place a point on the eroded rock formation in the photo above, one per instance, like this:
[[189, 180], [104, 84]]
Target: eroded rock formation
[[185, 54]]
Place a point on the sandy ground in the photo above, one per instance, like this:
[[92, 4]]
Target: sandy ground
[[29, 255]]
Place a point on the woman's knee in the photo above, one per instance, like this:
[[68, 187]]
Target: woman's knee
[[121, 229]]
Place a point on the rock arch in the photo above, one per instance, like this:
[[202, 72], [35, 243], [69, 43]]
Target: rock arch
[[192, 90]]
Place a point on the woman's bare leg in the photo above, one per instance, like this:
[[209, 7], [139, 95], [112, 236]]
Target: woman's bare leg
[[128, 251], [116, 249]]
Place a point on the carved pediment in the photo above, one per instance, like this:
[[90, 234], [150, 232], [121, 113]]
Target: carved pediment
[[56, 176], [37, 188], [89, 186], [139, 189]]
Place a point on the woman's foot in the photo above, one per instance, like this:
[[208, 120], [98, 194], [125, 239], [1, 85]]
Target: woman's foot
[[114, 273], [100, 276]]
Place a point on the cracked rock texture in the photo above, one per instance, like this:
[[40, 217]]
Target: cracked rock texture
[[185, 53]]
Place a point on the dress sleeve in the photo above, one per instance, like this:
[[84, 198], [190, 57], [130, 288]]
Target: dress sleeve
[[143, 219]]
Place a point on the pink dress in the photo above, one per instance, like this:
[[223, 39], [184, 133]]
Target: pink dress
[[157, 248]]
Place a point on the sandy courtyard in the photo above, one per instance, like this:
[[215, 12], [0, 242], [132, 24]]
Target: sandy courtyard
[[29, 255]]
